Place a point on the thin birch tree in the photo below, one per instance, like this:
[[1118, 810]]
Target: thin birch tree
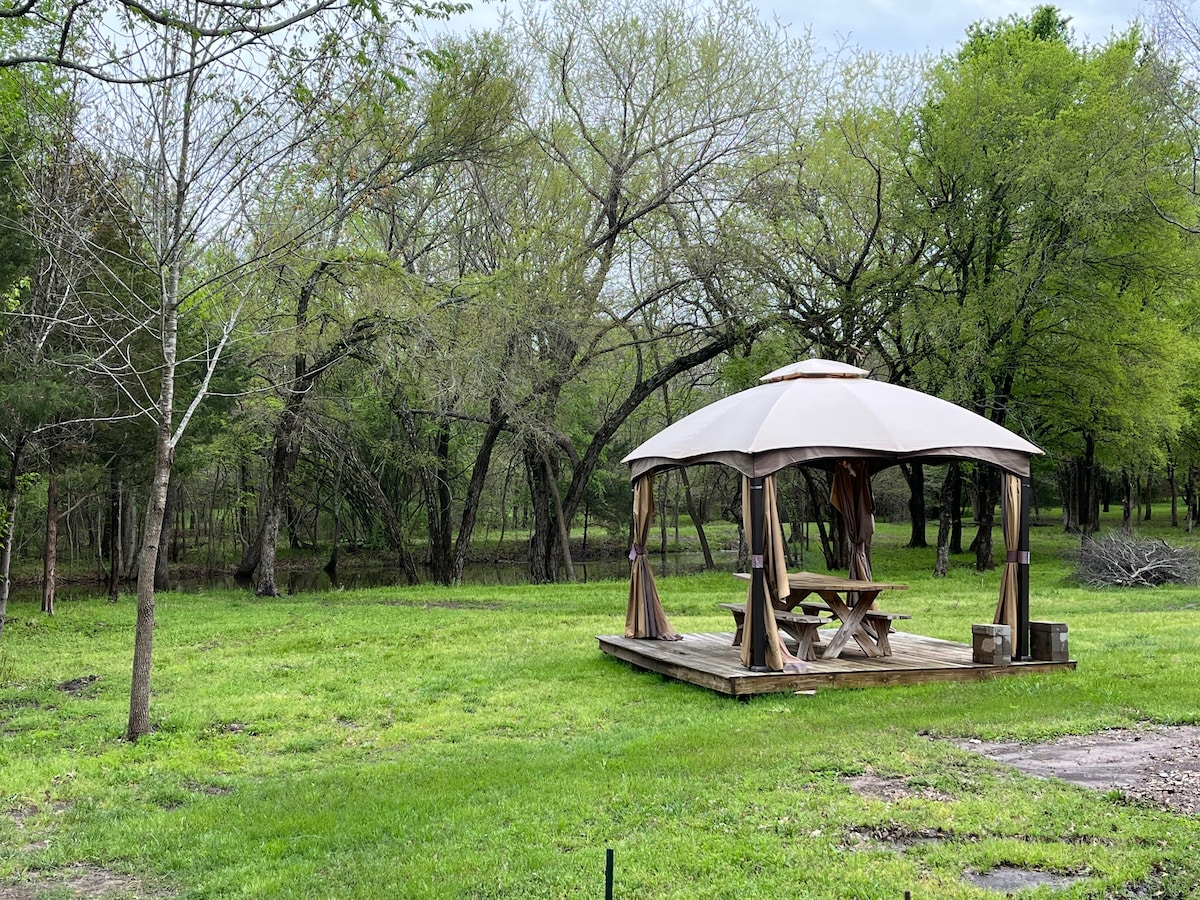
[[198, 154]]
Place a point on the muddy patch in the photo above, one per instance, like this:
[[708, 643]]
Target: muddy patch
[[1158, 766], [1010, 878], [20, 815], [77, 685], [880, 787], [78, 881], [891, 837]]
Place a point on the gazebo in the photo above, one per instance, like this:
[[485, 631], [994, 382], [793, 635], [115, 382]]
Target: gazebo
[[820, 412]]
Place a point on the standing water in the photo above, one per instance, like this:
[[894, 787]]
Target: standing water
[[315, 580]]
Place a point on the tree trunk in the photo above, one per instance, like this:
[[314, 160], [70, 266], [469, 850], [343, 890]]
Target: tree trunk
[[985, 494], [50, 551], [945, 517], [445, 525], [954, 473], [12, 498], [1087, 486], [292, 518], [1189, 499], [164, 458], [1149, 494], [697, 519], [116, 563], [266, 586], [483, 459], [541, 564], [1126, 502], [162, 567], [564, 536], [283, 462], [915, 476], [143, 642], [1174, 489], [252, 554], [1068, 492]]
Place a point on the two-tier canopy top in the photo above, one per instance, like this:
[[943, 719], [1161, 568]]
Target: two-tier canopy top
[[820, 410]]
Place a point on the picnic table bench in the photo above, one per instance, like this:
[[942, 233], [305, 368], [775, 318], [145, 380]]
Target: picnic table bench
[[849, 602], [800, 626]]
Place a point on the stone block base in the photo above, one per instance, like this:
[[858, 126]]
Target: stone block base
[[991, 645], [1048, 641]]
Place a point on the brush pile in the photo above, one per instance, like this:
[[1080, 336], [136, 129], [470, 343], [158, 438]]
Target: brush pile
[[1117, 559]]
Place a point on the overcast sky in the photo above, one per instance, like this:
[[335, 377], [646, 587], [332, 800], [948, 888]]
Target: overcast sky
[[901, 26], [905, 26]]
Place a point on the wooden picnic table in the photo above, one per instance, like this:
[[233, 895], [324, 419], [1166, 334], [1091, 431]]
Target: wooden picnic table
[[850, 602]]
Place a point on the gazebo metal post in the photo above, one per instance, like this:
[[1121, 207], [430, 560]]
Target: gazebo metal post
[[758, 580], [1021, 638]]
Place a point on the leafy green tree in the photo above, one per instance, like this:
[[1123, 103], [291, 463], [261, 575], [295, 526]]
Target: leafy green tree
[[386, 166], [830, 229], [826, 229], [642, 114], [1035, 173]]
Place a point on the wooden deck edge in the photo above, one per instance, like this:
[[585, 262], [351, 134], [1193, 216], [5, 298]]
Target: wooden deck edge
[[759, 684], [673, 670], [752, 683]]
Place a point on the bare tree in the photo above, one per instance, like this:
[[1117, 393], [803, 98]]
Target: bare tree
[[107, 40], [193, 163]]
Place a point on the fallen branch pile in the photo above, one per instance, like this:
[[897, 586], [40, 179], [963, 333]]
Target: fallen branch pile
[[1117, 559]]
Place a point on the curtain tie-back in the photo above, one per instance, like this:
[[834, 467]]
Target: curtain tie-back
[[635, 551], [1017, 556]]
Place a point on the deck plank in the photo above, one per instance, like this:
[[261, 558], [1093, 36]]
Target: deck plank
[[709, 660]]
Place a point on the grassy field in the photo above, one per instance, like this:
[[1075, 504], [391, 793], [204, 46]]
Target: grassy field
[[473, 742]]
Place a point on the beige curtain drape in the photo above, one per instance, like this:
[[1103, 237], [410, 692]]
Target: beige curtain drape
[[644, 616], [775, 571], [1006, 608], [851, 494]]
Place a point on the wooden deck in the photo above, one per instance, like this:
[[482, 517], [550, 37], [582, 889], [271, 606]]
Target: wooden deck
[[710, 661]]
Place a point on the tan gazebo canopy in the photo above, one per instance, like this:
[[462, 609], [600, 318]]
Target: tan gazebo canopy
[[824, 412]]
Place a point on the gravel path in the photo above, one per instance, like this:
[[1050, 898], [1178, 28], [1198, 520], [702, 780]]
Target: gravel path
[[1156, 765]]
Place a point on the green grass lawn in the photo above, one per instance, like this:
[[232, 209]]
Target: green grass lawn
[[473, 742]]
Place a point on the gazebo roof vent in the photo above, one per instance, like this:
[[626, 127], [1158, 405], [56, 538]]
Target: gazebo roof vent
[[815, 368]]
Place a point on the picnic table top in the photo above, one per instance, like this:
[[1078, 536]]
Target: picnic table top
[[817, 581]]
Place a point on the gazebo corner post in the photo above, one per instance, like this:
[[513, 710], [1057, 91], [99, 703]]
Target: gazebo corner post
[[1021, 638], [758, 579]]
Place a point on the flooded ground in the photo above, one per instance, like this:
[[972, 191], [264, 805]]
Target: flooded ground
[[354, 577]]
